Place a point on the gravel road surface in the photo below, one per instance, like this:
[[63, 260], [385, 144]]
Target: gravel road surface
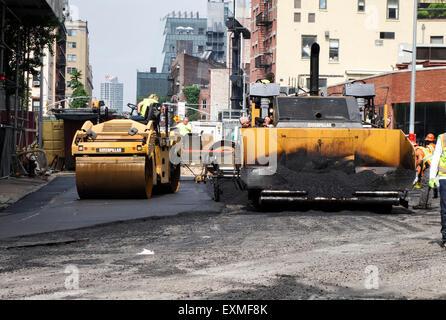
[[234, 252]]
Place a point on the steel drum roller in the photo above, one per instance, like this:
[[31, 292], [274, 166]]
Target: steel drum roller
[[113, 176]]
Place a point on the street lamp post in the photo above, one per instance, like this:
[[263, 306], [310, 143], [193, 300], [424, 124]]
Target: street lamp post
[[414, 70], [41, 105]]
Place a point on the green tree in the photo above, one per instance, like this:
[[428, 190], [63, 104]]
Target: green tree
[[31, 38], [192, 97], [434, 14], [78, 90]]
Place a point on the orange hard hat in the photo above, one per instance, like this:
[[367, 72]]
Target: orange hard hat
[[430, 137]]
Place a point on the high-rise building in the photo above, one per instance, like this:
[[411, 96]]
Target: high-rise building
[[184, 33], [357, 39], [217, 13], [151, 82], [112, 93], [78, 54]]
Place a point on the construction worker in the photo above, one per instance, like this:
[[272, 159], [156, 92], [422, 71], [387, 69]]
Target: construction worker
[[270, 78], [244, 121], [143, 107], [424, 157], [268, 122], [184, 127], [438, 167]]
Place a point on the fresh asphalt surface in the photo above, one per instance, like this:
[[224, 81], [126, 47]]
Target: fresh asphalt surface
[[57, 207]]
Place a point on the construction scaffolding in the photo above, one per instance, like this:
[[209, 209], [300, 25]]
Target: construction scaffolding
[[17, 123]]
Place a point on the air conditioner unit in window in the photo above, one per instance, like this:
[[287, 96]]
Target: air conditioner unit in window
[[327, 34], [36, 83]]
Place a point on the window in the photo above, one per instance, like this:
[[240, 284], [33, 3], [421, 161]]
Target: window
[[72, 32], [307, 42], [334, 50], [296, 16], [361, 5], [68, 84], [392, 9], [70, 70], [71, 58], [72, 45], [200, 31], [36, 104], [322, 4], [204, 103], [297, 4], [311, 17], [322, 83], [387, 35], [437, 40]]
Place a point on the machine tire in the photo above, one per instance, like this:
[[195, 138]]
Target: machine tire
[[175, 175], [254, 198], [149, 179]]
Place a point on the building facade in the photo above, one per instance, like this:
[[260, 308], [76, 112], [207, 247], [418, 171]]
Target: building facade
[[217, 13], [78, 54], [183, 33], [151, 82], [189, 71], [393, 90], [53, 81], [359, 38], [112, 93]]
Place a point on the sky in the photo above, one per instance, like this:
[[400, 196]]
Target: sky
[[126, 36]]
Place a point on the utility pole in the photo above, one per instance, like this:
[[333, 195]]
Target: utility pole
[[41, 104], [414, 70]]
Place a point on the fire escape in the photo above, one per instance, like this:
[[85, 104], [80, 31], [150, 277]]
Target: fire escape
[[264, 23]]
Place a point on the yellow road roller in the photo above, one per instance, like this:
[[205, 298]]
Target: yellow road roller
[[321, 149], [124, 159]]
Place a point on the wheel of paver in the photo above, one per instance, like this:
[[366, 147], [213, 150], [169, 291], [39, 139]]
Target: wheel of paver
[[254, 198], [175, 175], [149, 178], [216, 190]]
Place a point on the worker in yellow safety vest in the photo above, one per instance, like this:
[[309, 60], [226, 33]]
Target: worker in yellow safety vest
[[424, 159], [184, 127], [270, 78], [144, 105], [438, 167]]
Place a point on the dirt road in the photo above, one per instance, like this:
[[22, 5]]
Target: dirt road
[[236, 253]]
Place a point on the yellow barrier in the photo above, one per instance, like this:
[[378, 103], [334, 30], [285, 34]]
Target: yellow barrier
[[53, 139]]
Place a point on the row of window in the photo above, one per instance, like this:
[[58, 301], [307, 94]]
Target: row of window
[[392, 7], [307, 42]]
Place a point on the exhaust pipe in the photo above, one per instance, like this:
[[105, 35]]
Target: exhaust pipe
[[314, 70]]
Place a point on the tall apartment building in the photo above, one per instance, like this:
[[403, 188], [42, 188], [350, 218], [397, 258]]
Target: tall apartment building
[[78, 54], [217, 13], [112, 93], [53, 81], [183, 33], [151, 82], [358, 38]]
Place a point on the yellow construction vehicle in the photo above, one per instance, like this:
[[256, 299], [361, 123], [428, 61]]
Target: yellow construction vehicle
[[320, 149], [125, 158]]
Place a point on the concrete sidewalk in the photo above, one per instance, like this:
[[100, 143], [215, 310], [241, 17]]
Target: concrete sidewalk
[[14, 189]]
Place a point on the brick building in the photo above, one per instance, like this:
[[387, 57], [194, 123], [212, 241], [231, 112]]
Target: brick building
[[393, 89], [263, 38], [189, 71]]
